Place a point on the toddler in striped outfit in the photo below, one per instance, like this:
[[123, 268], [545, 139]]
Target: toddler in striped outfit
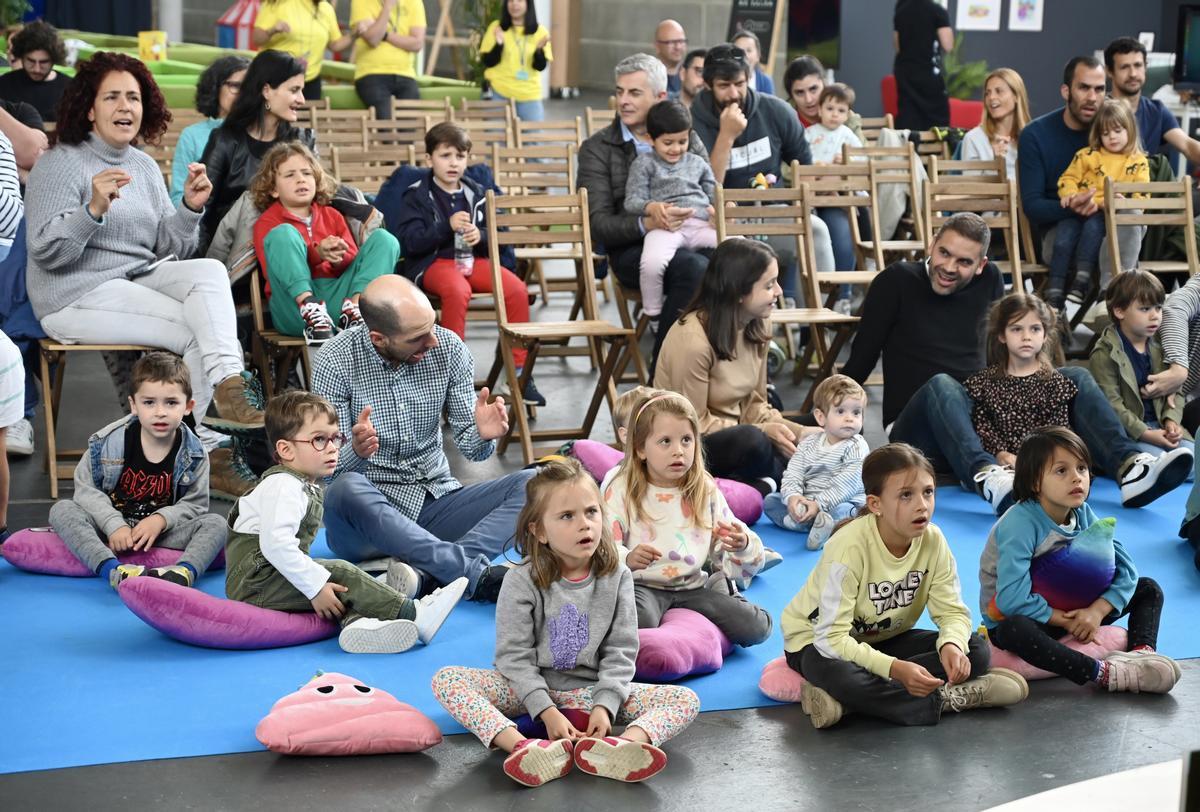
[[823, 481]]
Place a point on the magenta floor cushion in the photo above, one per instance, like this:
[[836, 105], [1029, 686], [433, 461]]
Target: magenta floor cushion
[[191, 616], [39, 549], [685, 643], [1108, 638]]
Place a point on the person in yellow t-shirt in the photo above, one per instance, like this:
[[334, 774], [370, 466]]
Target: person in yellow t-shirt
[[305, 29], [515, 51], [390, 35]]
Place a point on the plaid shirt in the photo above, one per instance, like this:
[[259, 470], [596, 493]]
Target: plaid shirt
[[406, 403]]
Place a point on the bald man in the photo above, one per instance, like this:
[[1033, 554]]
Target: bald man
[[670, 44], [391, 379]]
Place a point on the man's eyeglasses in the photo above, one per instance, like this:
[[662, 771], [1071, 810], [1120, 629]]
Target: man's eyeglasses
[[725, 53], [321, 442]]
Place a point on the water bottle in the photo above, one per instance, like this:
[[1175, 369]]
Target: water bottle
[[464, 257]]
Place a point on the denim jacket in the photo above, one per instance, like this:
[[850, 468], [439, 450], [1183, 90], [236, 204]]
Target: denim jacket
[[97, 473]]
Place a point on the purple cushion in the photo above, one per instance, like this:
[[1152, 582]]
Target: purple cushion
[[685, 643], [597, 458], [195, 617], [39, 549], [530, 728]]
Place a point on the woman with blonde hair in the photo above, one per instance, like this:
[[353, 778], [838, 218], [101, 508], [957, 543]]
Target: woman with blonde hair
[[1005, 114]]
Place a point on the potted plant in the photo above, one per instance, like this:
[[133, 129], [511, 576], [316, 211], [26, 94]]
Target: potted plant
[[964, 80], [13, 11]]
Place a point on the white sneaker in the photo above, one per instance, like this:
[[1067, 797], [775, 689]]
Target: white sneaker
[[821, 530], [434, 608], [369, 635], [1149, 477], [403, 578], [995, 484], [1143, 671], [19, 439]]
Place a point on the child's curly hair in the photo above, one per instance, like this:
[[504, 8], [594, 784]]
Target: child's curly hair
[[262, 188]]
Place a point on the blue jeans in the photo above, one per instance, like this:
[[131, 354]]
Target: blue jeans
[[1093, 419], [1158, 451], [777, 511], [526, 110], [837, 220], [1079, 239], [456, 535]]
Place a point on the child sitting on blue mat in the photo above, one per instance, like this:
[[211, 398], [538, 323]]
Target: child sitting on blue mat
[[1051, 486], [272, 528], [143, 481]]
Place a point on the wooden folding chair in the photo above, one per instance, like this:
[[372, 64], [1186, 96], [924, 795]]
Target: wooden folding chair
[[898, 169], [60, 464], [363, 169], [548, 168], [272, 352], [871, 127], [785, 211], [995, 201], [846, 187], [340, 128], [538, 220], [931, 145], [598, 118], [1169, 203], [548, 133], [396, 134]]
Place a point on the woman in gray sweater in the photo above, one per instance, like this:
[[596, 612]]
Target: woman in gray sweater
[[108, 254]]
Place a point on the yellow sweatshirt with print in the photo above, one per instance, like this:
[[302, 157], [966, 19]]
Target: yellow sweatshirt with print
[[1090, 167], [859, 593]]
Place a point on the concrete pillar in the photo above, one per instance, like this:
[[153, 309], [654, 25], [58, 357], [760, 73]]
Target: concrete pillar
[[170, 18]]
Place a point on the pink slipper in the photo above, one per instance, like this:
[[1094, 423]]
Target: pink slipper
[[620, 759], [535, 761]]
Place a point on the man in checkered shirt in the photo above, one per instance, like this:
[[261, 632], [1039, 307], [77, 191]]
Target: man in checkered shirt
[[392, 495]]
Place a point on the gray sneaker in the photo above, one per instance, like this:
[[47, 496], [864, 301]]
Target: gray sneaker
[[997, 688], [822, 709], [1146, 672], [403, 578]]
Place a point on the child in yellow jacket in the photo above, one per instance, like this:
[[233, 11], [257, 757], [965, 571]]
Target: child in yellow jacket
[[1113, 151]]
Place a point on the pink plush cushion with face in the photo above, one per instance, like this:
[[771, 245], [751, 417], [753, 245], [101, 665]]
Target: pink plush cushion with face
[[191, 616], [780, 682], [597, 458], [1108, 638], [336, 715], [39, 549], [685, 643]]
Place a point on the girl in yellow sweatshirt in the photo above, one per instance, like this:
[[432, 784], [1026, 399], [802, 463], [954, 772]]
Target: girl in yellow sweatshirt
[[1113, 151], [850, 630]]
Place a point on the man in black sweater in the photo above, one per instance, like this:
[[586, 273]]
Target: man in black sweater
[[39, 48], [927, 320]]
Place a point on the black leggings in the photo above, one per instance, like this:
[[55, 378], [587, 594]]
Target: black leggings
[[1037, 643], [744, 453]]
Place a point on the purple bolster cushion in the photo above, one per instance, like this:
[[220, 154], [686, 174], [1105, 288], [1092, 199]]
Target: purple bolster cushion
[[685, 643], [39, 549], [195, 617], [597, 458]]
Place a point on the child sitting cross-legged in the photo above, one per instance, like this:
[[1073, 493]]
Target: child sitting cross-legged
[[1127, 354], [1051, 487], [272, 527], [823, 481], [566, 638], [143, 481], [851, 630], [306, 249]]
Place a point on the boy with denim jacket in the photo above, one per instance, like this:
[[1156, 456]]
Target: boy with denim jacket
[[144, 481]]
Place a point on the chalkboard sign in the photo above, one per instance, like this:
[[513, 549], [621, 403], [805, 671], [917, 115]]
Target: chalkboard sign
[[763, 18]]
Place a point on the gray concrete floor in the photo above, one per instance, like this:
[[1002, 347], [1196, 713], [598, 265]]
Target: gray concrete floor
[[771, 757]]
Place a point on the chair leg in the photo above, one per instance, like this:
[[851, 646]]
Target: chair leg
[[603, 389], [262, 360], [49, 409]]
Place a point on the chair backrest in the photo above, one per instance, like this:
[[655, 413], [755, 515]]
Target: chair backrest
[[340, 127], [1166, 203], [598, 118], [541, 220], [482, 134], [363, 169], [931, 144], [946, 170], [844, 186], [779, 211], [995, 201], [256, 299], [889, 166], [499, 115], [523, 170], [469, 105], [871, 127], [548, 133], [395, 133], [438, 108]]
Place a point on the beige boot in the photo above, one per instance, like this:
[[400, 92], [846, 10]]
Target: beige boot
[[237, 402], [228, 476]]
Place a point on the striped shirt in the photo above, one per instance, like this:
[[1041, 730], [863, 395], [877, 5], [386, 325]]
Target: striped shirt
[[1180, 331], [12, 207], [830, 474], [407, 401]]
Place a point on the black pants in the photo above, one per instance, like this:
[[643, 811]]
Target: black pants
[[312, 89], [378, 90], [681, 280], [1037, 643], [744, 453], [861, 691]]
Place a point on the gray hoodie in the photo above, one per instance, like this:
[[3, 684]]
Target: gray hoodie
[[572, 635], [773, 136]]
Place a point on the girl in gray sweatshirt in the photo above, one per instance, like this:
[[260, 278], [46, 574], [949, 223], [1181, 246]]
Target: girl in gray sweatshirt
[[566, 641]]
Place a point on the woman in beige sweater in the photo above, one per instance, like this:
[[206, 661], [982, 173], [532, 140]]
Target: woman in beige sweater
[[715, 356]]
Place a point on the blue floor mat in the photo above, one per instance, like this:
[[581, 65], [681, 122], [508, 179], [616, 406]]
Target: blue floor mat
[[89, 683]]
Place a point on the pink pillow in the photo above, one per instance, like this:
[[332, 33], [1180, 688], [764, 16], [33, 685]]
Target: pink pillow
[[598, 458], [1108, 638], [191, 616], [780, 682], [39, 549], [685, 643], [336, 715]]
